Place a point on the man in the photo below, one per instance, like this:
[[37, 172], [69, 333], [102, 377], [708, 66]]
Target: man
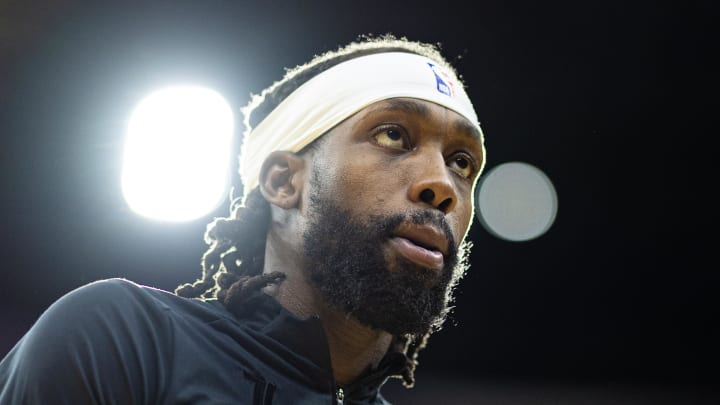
[[330, 273]]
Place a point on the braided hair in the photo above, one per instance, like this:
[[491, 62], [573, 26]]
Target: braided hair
[[232, 267]]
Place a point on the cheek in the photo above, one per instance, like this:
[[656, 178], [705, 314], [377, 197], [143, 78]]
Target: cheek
[[461, 218], [460, 222], [364, 186]]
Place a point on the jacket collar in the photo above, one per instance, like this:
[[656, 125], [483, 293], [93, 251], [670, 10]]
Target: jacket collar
[[304, 346]]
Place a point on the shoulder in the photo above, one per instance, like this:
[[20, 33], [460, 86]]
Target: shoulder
[[101, 301], [115, 341], [108, 330], [102, 291], [106, 290], [118, 302], [116, 311], [109, 316]]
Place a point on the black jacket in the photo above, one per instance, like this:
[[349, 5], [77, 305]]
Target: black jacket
[[116, 342]]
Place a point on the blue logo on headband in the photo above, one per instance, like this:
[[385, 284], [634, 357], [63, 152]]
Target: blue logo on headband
[[444, 83]]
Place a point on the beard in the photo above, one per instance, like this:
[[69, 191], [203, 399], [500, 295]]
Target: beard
[[346, 262]]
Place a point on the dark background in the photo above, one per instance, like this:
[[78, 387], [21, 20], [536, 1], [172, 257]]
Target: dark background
[[617, 303]]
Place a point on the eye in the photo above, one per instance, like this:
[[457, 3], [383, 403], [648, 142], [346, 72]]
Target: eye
[[391, 137], [462, 164]]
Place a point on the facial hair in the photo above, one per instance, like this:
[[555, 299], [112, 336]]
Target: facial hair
[[346, 262]]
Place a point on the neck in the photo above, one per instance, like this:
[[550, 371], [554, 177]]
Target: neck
[[353, 346]]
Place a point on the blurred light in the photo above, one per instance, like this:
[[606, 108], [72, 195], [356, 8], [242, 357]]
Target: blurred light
[[177, 153], [516, 201]]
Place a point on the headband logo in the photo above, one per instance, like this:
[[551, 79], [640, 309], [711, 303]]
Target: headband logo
[[444, 82]]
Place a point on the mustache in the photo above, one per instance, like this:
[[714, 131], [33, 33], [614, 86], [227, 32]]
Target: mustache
[[388, 224]]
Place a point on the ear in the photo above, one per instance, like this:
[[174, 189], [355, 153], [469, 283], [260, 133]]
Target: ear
[[281, 179]]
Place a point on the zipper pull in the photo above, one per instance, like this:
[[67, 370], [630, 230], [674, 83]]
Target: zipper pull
[[340, 396]]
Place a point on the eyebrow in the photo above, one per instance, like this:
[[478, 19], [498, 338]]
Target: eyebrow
[[408, 106], [466, 127], [413, 107]]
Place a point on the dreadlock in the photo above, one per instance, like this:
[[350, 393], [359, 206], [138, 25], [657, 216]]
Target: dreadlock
[[232, 267]]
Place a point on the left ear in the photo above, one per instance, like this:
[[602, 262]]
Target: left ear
[[281, 179]]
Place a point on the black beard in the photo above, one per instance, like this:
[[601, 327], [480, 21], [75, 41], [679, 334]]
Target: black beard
[[345, 260]]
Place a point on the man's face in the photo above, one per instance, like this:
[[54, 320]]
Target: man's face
[[389, 201]]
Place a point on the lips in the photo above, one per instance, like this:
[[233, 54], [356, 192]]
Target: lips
[[421, 244]]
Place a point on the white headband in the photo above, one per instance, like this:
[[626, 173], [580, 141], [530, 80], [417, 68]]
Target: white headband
[[339, 92]]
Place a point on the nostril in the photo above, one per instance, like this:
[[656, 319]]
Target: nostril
[[445, 205], [427, 196]]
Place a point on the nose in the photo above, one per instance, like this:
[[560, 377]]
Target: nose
[[433, 185]]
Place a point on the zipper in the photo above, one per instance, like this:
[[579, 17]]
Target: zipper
[[340, 396]]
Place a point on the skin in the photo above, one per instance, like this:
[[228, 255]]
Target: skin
[[382, 160]]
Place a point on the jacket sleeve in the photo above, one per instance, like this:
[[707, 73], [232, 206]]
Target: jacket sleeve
[[99, 344]]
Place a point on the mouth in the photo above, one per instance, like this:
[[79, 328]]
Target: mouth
[[423, 245]]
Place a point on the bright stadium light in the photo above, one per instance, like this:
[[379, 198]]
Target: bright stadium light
[[516, 201], [177, 153]]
